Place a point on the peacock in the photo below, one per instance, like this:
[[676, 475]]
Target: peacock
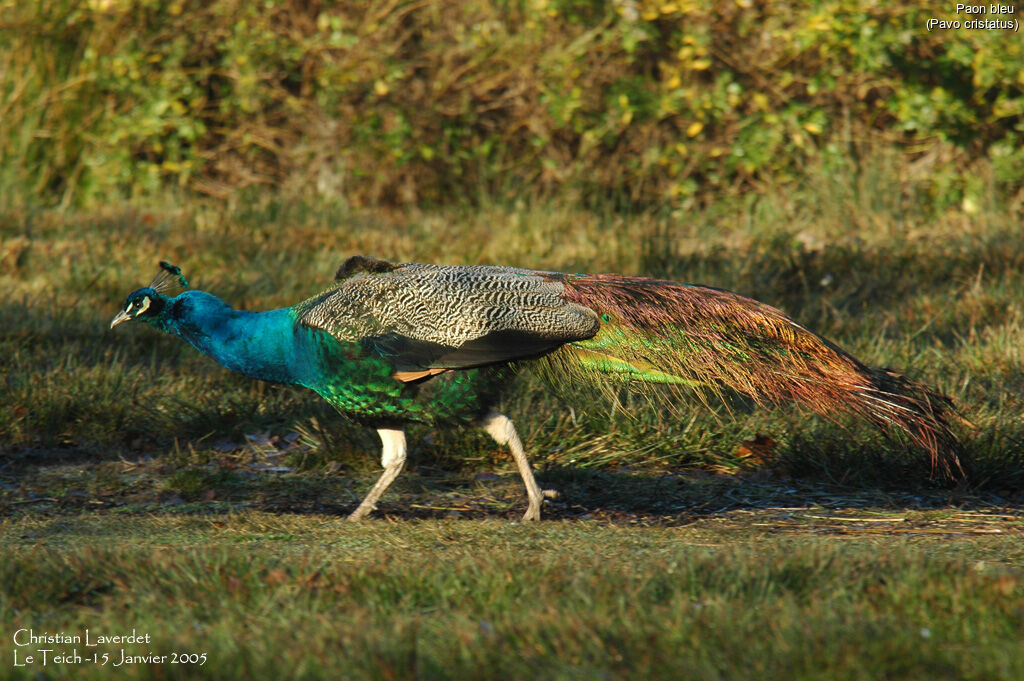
[[392, 344]]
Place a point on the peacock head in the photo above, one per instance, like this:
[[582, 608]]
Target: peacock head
[[148, 303]]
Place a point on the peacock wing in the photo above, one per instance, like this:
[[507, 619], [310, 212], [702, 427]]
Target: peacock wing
[[429, 318]]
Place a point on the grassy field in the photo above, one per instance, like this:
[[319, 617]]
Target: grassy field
[[141, 487], [778, 594]]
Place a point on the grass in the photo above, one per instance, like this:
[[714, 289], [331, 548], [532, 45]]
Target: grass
[[310, 596], [143, 487]]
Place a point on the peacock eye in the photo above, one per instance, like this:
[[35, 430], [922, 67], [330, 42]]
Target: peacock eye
[[142, 304]]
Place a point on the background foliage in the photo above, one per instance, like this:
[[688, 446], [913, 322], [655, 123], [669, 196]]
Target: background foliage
[[412, 101]]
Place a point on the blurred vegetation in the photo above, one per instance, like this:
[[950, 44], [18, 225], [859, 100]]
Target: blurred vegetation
[[404, 102]]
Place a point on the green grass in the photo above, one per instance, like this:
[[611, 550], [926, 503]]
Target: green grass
[[143, 487], [311, 596]]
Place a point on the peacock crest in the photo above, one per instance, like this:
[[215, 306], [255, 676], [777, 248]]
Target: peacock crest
[[169, 278]]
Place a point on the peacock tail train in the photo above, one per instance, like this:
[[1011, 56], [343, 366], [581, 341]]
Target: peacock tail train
[[712, 340]]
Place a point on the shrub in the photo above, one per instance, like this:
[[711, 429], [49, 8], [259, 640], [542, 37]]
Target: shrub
[[405, 102]]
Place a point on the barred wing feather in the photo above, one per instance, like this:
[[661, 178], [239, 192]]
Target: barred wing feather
[[449, 317]]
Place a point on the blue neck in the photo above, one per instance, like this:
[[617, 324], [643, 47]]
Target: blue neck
[[265, 345]]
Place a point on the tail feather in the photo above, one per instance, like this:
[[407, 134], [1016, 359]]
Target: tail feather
[[714, 340]]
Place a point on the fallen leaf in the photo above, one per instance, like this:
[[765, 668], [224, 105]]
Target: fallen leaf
[[759, 450]]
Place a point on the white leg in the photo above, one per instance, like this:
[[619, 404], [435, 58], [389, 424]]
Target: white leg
[[392, 458], [501, 429]]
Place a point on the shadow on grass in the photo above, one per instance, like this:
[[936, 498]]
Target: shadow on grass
[[629, 496]]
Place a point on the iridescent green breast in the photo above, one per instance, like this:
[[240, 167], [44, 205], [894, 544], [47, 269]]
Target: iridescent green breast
[[362, 385]]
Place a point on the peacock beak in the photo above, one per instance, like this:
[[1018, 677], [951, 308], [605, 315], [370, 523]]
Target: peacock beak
[[122, 316]]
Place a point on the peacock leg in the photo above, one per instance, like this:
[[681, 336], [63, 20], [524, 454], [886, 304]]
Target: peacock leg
[[501, 429], [392, 458]]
